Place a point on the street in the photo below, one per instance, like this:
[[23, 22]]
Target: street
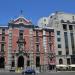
[[43, 73], [57, 73]]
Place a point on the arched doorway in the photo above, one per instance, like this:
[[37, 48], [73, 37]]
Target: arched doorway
[[37, 61], [60, 61], [2, 62], [21, 61]]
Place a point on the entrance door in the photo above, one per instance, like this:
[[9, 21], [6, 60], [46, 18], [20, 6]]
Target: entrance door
[[21, 61], [2, 62], [37, 61]]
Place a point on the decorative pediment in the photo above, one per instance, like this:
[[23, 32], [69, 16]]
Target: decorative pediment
[[21, 20]]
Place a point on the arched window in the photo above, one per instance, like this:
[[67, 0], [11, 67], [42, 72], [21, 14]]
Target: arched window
[[60, 61]]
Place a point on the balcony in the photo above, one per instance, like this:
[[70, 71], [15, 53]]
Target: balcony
[[2, 42], [21, 41], [51, 54], [50, 42], [21, 53], [37, 53], [37, 42], [2, 53]]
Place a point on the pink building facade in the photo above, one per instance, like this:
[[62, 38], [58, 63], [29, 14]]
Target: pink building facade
[[23, 44]]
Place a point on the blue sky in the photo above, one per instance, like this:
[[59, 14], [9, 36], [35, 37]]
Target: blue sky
[[33, 9]]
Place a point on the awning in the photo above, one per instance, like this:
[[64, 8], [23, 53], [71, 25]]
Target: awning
[[72, 65], [61, 65]]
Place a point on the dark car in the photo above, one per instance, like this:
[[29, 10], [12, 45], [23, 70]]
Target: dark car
[[28, 71]]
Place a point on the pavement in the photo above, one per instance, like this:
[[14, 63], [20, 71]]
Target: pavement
[[58, 73], [42, 73], [9, 73]]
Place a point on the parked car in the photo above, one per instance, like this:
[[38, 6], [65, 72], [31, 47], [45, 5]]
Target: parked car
[[28, 71]]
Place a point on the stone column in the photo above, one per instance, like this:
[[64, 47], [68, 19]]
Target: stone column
[[25, 62], [45, 48], [31, 56], [15, 61], [8, 66]]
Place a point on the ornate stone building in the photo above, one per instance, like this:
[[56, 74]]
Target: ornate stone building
[[64, 31], [23, 44]]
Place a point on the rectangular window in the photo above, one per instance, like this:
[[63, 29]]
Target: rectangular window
[[49, 36], [67, 52], [36, 33], [70, 27], [64, 27], [3, 38], [72, 43], [73, 52], [58, 39], [3, 30], [37, 39], [2, 47], [50, 47], [66, 43], [68, 61], [59, 52], [37, 48], [21, 34], [58, 32], [59, 45]]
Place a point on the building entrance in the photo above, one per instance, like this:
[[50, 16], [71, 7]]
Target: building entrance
[[2, 62], [21, 61], [37, 61], [72, 59], [51, 67]]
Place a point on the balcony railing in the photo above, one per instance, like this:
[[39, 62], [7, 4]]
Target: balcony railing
[[21, 41], [2, 42], [2, 53]]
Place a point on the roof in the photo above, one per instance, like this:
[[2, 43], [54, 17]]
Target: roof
[[21, 19], [3, 26]]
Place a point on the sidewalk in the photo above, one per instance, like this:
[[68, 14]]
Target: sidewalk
[[3, 70]]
